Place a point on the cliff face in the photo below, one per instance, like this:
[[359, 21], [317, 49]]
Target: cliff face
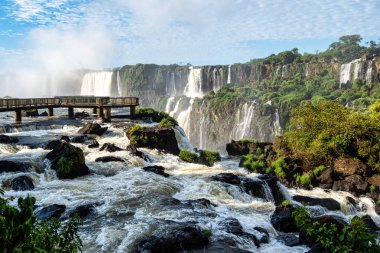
[[187, 93]]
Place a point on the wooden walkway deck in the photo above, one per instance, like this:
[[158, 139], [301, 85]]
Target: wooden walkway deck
[[101, 105]]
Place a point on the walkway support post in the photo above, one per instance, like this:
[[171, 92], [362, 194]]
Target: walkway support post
[[107, 114], [132, 111], [17, 116], [100, 112], [94, 110], [71, 112], [50, 111]]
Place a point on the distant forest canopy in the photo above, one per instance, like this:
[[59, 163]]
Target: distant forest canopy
[[348, 48]]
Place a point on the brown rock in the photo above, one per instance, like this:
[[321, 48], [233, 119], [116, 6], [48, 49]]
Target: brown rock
[[374, 180], [349, 166]]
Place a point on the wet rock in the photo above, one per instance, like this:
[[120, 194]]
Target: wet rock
[[8, 139], [92, 128], [109, 147], [329, 203], [133, 150], [282, 219], [326, 177], [11, 166], [81, 115], [348, 166], [354, 184], [233, 226], [253, 187], [52, 211], [107, 159], [53, 144], [190, 204], [239, 148], [83, 210], [331, 219], [159, 170], [30, 113], [44, 114], [79, 139], [156, 138], [221, 247], [174, 237], [273, 182], [93, 144], [264, 235], [370, 224], [65, 139], [289, 239], [68, 161], [228, 178], [22, 183]]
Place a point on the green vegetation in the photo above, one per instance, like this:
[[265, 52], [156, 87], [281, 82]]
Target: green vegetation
[[205, 157], [188, 156], [160, 117], [325, 131], [167, 122], [318, 170], [372, 188], [286, 203], [207, 233], [20, 232], [303, 179], [254, 163], [353, 237], [64, 166], [208, 157], [279, 167]]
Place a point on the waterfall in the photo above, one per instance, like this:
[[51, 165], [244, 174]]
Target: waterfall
[[119, 86], [307, 70], [184, 118], [283, 71], [97, 84], [170, 86], [218, 80], [368, 74], [169, 104], [358, 69], [203, 127], [182, 139], [345, 71], [174, 112], [243, 118], [193, 87], [229, 74], [276, 124]]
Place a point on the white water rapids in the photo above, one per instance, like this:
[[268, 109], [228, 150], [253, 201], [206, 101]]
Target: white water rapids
[[130, 200]]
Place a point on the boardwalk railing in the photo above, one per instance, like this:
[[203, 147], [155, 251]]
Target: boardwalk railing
[[68, 101]]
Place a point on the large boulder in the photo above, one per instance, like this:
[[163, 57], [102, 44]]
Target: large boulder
[[329, 203], [53, 144], [92, 128], [159, 170], [374, 180], [233, 226], [93, 144], [228, 178], [274, 186], [282, 219], [7, 139], [134, 151], [354, 184], [30, 113], [11, 166], [153, 137], [348, 166], [244, 147], [68, 161], [52, 211], [173, 237], [22, 183]]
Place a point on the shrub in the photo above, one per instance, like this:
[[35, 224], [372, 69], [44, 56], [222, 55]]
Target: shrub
[[303, 179], [207, 233], [353, 237], [286, 203], [20, 232], [208, 157], [372, 188], [253, 163], [188, 156], [160, 117], [167, 122], [318, 170], [279, 166], [64, 167]]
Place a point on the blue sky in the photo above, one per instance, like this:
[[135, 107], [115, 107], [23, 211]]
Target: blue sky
[[54, 34]]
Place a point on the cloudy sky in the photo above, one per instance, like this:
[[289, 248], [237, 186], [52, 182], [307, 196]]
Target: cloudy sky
[[52, 34]]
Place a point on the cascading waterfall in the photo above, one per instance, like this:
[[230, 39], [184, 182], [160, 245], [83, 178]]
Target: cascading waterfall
[[276, 124], [169, 104], [244, 118], [119, 85], [193, 87], [170, 86], [283, 71], [368, 74], [204, 122], [184, 118], [218, 79], [358, 69], [345, 71], [174, 112], [229, 74], [97, 84]]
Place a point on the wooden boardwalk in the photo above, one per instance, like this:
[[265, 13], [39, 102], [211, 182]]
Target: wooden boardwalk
[[101, 105]]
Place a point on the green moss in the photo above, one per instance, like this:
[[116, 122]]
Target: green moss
[[65, 166], [286, 203], [318, 170], [303, 179], [207, 233], [253, 163], [372, 188], [279, 166], [209, 157], [168, 122], [188, 156]]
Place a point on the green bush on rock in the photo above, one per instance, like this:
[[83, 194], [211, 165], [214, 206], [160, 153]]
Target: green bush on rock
[[160, 117], [353, 237], [279, 166], [254, 163], [20, 232], [208, 157], [188, 156]]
